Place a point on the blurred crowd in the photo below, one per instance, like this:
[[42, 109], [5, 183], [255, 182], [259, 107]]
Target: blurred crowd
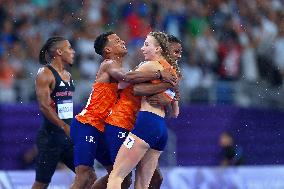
[[233, 50]]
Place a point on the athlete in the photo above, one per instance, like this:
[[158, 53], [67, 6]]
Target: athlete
[[54, 90], [122, 118], [123, 114], [88, 126], [175, 49], [148, 138]]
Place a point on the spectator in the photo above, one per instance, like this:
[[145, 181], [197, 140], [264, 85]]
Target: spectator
[[239, 35], [232, 154]]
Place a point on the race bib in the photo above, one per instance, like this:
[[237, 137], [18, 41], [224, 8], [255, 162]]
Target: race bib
[[169, 93], [129, 142], [65, 109]]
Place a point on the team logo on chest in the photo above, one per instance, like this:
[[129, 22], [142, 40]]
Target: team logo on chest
[[62, 84]]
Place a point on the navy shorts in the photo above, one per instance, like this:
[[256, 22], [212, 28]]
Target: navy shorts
[[89, 144], [152, 129], [54, 146], [114, 137]]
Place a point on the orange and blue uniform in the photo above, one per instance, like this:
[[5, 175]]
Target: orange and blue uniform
[[88, 126], [168, 93], [100, 102], [121, 120], [123, 114], [150, 127], [123, 117]]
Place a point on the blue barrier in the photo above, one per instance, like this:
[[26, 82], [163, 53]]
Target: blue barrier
[[259, 132]]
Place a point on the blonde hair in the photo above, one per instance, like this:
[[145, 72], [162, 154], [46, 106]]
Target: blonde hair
[[163, 41]]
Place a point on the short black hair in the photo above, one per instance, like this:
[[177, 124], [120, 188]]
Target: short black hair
[[101, 42], [173, 39]]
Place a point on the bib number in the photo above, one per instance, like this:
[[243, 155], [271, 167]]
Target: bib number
[[129, 142], [65, 110]]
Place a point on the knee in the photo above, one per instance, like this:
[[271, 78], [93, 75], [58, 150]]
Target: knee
[[84, 175], [115, 178]]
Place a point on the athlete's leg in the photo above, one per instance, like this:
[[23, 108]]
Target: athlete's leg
[[129, 154], [146, 168], [127, 181], [85, 138], [113, 139], [157, 179], [45, 169], [39, 185], [49, 152], [101, 183], [68, 156], [84, 178]]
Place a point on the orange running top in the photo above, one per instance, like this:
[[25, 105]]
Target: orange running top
[[101, 100], [166, 65], [123, 114]]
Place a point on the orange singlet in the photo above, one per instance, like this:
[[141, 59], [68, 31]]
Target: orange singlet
[[165, 65], [123, 114], [100, 102]]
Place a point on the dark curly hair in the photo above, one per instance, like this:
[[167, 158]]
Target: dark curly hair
[[101, 42]]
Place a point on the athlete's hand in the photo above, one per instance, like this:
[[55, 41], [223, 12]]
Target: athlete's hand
[[158, 100], [177, 93], [168, 76]]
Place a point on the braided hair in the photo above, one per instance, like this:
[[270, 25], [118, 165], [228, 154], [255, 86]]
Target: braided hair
[[48, 49], [163, 42]]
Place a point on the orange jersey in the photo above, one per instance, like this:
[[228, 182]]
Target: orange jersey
[[123, 114], [165, 65], [100, 102]]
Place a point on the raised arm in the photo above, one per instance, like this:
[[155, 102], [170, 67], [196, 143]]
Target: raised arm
[[175, 109], [43, 83], [139, 76], [135, 77]]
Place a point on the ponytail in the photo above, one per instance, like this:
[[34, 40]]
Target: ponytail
[[42, 55], [163, 42]]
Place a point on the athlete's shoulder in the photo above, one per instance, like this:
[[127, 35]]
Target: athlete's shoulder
[[44, 72], [149, 62], [107, 63], [149, 66], [44, 76]]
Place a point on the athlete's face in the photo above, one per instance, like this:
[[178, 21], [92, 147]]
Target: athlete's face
[[175, 50], [150, 48], [67, 52], [116, 45]]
